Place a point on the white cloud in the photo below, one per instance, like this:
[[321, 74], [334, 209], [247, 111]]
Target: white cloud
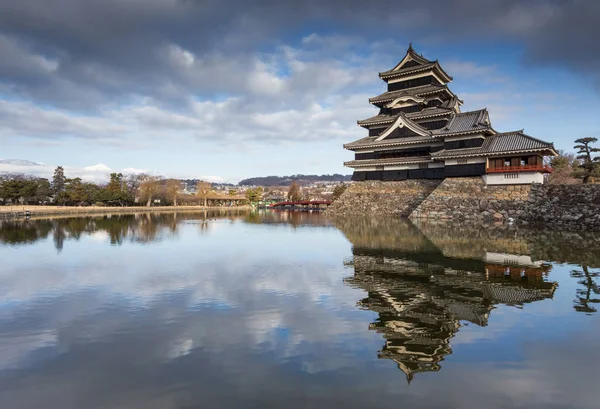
[[98, 173], [101, 167], [288, 95], [134, 171]]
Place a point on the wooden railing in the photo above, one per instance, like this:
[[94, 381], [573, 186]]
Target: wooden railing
[[521, 168]]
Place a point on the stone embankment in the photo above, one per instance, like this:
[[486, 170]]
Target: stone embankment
[[469, 199], [564, 205], [383, 198]]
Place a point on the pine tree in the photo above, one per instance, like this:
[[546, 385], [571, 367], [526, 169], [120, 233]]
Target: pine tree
[[59, 182], [589, 166]]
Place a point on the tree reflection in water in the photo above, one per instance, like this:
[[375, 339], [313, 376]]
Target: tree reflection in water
[[139, 227], [588, 279]]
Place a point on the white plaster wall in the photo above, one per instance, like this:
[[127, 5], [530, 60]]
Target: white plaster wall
[[450, 162], [523, 178], [412, 166], [364, 168], [504, 258], [398, 147]]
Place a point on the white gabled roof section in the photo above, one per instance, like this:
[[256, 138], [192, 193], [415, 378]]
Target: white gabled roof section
[[402, 122], [405, 98]]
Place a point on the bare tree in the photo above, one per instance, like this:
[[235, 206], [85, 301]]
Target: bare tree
[[339, 190], [149, 188], [202, 190], [294, 194], [132, 184], [563, 165], [172, 188]]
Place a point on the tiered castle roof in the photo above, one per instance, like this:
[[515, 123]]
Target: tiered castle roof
[[419, 108]]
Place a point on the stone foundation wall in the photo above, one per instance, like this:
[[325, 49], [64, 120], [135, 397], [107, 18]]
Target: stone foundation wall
[[470, 199], [564, 205], [383, 198]]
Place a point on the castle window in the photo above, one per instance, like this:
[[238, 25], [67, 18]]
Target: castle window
[[462, 162], [511, 176], [423, 165]]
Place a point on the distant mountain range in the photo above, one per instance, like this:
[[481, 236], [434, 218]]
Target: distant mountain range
[[287, 180], [19, 162]]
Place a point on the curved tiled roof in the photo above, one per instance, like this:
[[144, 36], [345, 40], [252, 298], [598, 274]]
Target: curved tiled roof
[[428, 112], [370, 141], [425, 113], [415, 69], [508, 142], [416, 91], [408, 70], [466, 122], [459, 124], [379, 118]]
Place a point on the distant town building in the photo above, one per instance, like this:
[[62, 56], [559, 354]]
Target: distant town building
[[421, 133]]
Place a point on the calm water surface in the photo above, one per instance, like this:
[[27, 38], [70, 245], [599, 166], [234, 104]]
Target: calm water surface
[[290, 310]]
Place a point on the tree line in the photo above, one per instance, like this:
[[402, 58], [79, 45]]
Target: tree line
[[120, 190], [287, 180]]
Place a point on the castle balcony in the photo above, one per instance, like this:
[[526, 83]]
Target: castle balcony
[[520, 168]]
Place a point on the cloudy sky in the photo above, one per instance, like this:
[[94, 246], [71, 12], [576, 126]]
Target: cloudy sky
[[229, 89]]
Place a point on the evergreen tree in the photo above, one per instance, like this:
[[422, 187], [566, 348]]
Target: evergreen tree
[[589, 166], [76, 191], [59, 182], [115, 190]]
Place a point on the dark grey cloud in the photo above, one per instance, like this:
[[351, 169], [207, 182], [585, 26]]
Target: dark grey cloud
[[83, 54]]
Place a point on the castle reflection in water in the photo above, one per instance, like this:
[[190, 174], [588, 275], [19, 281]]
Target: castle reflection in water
[[424, 283]]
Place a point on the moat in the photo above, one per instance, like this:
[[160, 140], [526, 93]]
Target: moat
[[278, 309]]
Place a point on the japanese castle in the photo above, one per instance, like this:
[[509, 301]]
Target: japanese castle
[[421, 133]]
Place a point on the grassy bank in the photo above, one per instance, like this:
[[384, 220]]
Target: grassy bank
[[20, 211]]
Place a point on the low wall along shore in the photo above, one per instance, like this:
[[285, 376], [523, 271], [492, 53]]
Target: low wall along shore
[[19, 211], [469, 199]]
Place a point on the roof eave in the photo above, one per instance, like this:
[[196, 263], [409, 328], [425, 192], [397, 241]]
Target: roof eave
[[491, 154], [374, 100], [463, 132], [351, 164], [349, 146], [386, 75]]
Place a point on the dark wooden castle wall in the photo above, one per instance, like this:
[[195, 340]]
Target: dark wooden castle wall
[[473, 169], [416, 82]]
